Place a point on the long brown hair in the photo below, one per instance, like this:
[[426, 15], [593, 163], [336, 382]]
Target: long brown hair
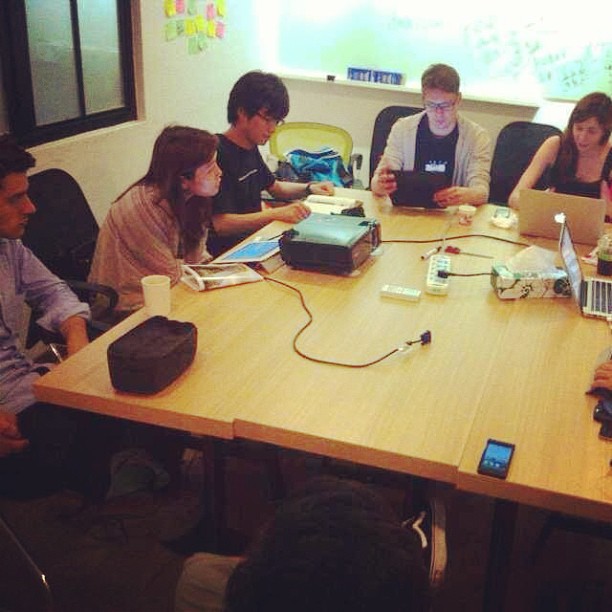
[[597, 105], [178, 151]]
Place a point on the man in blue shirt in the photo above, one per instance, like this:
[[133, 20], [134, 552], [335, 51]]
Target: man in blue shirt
[[25, 280]]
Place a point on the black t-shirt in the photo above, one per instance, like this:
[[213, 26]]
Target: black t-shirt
[[579, 188], [245, 176], [434, 153]]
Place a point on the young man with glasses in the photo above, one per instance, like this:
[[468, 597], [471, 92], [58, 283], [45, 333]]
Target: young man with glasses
[[257, 104], [439, 139]]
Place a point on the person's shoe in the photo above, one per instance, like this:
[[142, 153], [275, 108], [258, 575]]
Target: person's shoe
[[430, 527]]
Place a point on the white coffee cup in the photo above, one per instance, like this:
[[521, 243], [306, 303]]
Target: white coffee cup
[[156, 292], [465, 214]]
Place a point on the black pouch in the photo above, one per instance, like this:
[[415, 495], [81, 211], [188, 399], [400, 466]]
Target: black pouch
[[153, 354]]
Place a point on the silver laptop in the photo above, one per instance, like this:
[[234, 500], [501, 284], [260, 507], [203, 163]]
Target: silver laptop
[[593, 295], [537, 210]]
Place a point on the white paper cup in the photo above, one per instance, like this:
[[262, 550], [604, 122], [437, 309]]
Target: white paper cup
[[156, 292], [465, 214]]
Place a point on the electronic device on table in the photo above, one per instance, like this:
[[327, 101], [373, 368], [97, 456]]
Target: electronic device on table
[[593, 295], [330, 243], [537, 210], [436, 281], [416, 188]]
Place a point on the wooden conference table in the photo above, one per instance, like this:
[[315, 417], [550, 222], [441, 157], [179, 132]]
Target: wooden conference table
[[514, 370]]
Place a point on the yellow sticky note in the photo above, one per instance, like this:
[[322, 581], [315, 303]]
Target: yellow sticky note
[[210, 29], [190, 28], [170, 30], [200, 23], [221, 8], [169, 8]]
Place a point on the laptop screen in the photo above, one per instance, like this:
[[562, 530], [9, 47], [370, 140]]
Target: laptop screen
[[570, 260]]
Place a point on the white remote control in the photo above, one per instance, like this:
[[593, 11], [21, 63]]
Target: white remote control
[[435, 284], [400, 292]]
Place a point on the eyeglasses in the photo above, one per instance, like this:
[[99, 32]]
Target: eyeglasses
[[440, 106], [270, 120]]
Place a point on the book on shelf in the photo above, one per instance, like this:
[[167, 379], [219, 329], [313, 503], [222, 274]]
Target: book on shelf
[[202, 277]]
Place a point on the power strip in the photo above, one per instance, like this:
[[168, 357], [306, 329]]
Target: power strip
[[434, 283]]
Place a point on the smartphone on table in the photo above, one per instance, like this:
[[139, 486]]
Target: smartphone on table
[[496, 457]]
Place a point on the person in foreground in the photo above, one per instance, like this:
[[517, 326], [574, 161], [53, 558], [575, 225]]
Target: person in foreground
[[334, 546], [258, 103], [439, 139], [33, 436], [580, 160], [162, 219]]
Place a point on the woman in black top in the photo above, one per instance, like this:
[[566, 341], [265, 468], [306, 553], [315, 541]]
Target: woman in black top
[[580, 160]]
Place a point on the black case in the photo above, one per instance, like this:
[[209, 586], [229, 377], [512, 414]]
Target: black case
[[153, 354]]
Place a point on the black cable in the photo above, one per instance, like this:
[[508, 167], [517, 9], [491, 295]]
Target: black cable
[[447, 238], [443, 274], [425, 337]]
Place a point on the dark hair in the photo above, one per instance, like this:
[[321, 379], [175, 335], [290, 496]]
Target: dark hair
[[13, 157], [595, 105], [256, 91], [334, 547], [178, 151], [441, 76]]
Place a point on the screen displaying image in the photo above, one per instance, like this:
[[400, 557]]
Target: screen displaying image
[[253, 251]]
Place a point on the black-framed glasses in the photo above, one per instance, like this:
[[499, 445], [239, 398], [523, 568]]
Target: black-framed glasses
[[270, 120], [439, 106]]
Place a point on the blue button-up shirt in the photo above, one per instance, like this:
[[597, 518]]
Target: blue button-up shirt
[[25, 280]]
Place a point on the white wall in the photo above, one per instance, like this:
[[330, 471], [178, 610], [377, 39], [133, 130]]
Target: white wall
[[192, 89], [176, 88]]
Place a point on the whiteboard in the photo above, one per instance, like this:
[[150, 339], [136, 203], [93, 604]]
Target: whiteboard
[[539, 52]]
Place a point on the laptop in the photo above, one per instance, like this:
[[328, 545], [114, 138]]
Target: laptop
[[537, 210], [593, 295], [416, 188]]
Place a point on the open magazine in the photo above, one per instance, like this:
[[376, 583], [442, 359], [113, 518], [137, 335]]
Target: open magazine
[[213, 276]]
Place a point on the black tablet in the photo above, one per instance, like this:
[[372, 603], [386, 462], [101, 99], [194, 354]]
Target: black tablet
[[415, 188]]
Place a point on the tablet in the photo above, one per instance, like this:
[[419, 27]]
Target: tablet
[[416, 188], [258, 250]]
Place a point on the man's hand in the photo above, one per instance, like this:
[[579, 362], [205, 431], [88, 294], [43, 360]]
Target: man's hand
[[603, 376], [74, 331], [383, 182], [452, 196], [322, 188], [291, 213], [10, 437]]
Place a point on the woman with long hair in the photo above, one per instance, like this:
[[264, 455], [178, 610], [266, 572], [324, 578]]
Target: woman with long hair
[[162, 219], [580, 160]]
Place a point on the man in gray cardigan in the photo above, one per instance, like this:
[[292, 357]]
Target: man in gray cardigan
[[439, 140]]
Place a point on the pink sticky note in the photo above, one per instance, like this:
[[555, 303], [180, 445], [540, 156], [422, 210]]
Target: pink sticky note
[[210, 11], [220, 29], [180, 6]]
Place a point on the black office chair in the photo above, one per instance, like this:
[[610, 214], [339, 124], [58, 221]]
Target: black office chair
[[23, 585], [63, 234], [516, 144], [382, 126]]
